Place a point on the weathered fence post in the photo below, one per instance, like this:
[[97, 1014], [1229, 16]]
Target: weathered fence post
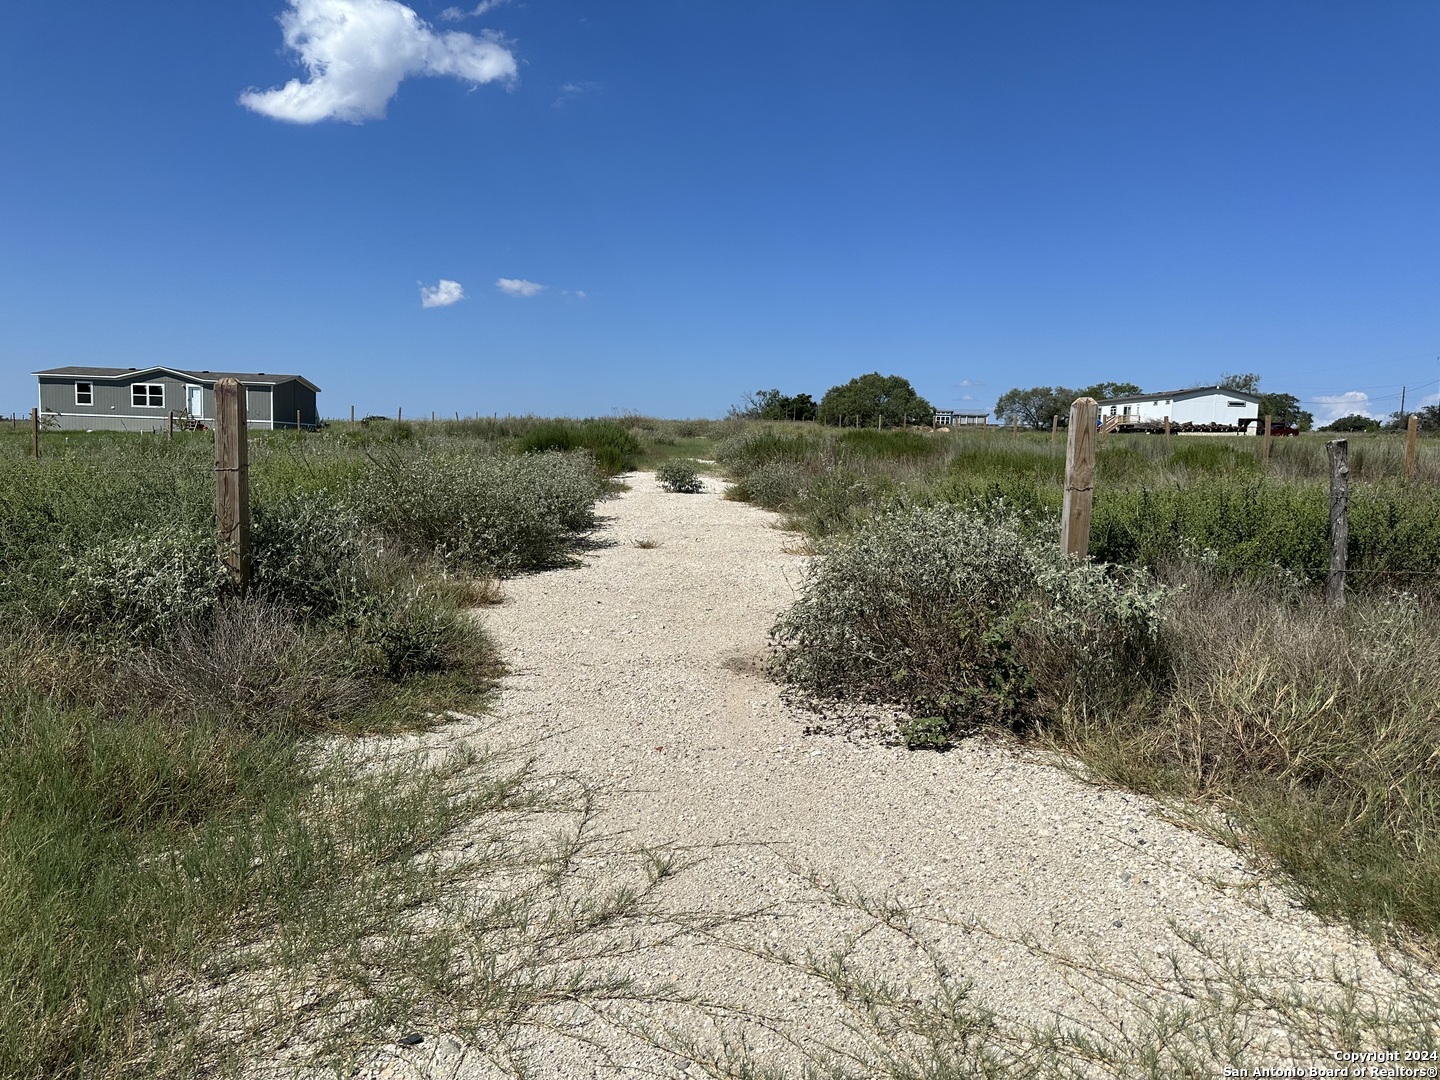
[[170, 424], [232, 482], [398, 412], [297, 419], [1412, 426], [1339, 521], [1079, 478], [35, 434], [1168, 443], [352, 414], [1265, 446], [1054, 426], [1016, 429]]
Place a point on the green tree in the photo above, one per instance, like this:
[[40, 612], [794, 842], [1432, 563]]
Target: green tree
[[870, 399], [1353, 422], [1285, 409], [1035, 406], [799, 407], [1247, 382], [1104, 391], [1427, 419]]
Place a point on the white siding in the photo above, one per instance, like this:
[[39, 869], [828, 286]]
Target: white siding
[[1209, 407]]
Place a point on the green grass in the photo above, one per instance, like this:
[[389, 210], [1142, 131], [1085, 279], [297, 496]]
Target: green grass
[[162, 800], [1313, 731]]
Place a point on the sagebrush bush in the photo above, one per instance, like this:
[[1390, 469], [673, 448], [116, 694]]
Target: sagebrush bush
[[962, 619], [679, 475], [307, 552], [483, 512], [139, 588]]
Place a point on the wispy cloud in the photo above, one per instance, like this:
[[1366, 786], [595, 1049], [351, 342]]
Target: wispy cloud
[[519, 287], [969, 382], [1333, 406], [455, 14], [357, 53], [444, 294], [572, 90]]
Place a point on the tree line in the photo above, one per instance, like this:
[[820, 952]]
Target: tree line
[[872, 400], [1036, 406]]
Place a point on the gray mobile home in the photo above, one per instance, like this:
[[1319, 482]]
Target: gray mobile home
[[142, 399]]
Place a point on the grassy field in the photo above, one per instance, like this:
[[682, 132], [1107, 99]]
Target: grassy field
[[1313, 730], [160, 794], [162, 800]]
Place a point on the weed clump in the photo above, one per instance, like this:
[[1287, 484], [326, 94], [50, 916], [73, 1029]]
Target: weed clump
[[482, 512], [680, 476], [613, 446], [962, 619]]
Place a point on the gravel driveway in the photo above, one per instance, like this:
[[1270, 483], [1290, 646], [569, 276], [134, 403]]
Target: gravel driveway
[[636, 670]]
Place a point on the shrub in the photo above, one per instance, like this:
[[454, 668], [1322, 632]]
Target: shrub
[[679, 476], [139, 588], [961, 619], [250, 663], [741, 454], [773, 485], [485, 512], [306, 554], [614, 448]]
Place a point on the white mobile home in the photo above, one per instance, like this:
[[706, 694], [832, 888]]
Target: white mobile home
[[1199, 405]]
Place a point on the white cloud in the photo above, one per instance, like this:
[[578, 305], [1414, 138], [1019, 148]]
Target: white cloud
[[1333, 406], [519, 287], [442, 295], [573, 90], [357, 53], [969, 382], [455, 14]]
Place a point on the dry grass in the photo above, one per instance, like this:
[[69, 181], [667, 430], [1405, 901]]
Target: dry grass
[[1317, 734]]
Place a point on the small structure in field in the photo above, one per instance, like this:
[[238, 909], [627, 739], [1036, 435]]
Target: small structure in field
[[1205, 407], [142, 399], [948, 418]]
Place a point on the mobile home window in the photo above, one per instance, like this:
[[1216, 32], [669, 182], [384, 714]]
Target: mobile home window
[[1235, 404], [84, 393], [148, 395]]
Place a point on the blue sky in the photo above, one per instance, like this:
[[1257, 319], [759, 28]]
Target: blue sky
[[660, 205]]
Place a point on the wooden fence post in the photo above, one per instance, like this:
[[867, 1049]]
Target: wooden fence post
[[1168, 443], [1054, 426], [1412, 426], [232, 482], [398, 411], [1016, 429], [1079, 478], [170, 425], [1265, 446], [1339, 521], [352, 414], [35, 434]]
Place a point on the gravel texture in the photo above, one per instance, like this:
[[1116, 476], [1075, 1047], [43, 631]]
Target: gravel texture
[[637, 670]]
